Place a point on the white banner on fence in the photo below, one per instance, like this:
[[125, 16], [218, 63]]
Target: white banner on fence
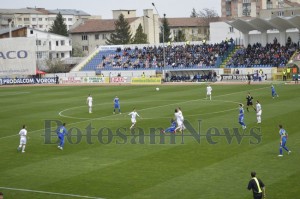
[[17, 56]]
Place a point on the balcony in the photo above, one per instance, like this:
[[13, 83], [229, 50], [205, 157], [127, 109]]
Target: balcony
[[61, 48]]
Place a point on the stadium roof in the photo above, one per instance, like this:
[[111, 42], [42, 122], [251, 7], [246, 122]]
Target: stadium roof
[[98, 25], [69, 12], [185, 22], [262, 25], [19, 11], [6, 30], [29, 10]]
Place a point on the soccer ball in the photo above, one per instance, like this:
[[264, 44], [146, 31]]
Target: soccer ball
[[157, 89]]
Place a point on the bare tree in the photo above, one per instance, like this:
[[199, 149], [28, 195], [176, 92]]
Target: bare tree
[[56, 66], [208, 15]]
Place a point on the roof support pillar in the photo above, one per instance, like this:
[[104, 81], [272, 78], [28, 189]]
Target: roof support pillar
[[264, 38], [282, 39], [246, 39]]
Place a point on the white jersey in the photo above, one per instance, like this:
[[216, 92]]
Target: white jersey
[[133, 116], [208, 90], [89, 101], [23, 134], [180, 115], [258, 109]]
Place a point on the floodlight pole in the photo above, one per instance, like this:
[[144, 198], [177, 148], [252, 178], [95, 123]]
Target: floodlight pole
[[163, 36]]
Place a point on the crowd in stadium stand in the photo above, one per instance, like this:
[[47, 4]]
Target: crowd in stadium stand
[[196, 55], [205, 76], [175, 56], [272, 55]]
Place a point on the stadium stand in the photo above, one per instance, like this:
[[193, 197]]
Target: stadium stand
[[256, 55], [177, 56]]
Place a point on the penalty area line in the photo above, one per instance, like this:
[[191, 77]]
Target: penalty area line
[[50, 193]]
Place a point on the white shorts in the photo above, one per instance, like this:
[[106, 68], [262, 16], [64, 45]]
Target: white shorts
[[259, 113], [208, 93], [133, 121], [22, 141], [179, 123], [90, 105]]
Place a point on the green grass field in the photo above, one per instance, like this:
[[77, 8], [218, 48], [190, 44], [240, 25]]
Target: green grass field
[[146, 169]]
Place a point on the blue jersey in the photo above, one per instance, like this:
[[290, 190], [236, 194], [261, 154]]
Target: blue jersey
[[283, 134], [172, 128], [117, 102], [273, 89], [173, 125], [62, 130], [241, 112]]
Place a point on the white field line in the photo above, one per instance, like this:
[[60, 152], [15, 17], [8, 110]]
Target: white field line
[[1, 138], [49, 193]]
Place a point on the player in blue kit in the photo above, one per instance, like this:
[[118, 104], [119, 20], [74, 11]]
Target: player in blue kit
[[283, 138], [274, 94], [172, 128], [117, 105], [61, 132], [241, 116]]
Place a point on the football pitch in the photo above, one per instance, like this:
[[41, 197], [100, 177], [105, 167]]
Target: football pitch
[[102, 158]]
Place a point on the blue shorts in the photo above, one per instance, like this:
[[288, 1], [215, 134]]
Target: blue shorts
[[117, 106], [241, 119]]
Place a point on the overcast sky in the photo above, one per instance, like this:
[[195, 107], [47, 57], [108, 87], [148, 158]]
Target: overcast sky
[[172, 8]]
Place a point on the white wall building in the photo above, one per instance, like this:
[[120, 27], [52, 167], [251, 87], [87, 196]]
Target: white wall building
[[39, 18], [48, 45]]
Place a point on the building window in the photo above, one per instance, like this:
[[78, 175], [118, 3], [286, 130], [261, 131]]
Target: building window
[[39, 55], [26, 19], [84, 37], [20, 19], [231, 29], [85, 48], [96, 36], [33, 19], [104, 36], [31, 31], [38, 42], [292, 13], [40, 19], [70, 19], [65, 19], [46, 19], [62, 42], [62, 55], [280, 13], [56, 43], [40, 26], [246, 9]]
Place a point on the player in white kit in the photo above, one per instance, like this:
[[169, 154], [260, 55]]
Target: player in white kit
[[23, 139], [208, 91], [89, 102], [181, 118], [133, 117], [258, 112]]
